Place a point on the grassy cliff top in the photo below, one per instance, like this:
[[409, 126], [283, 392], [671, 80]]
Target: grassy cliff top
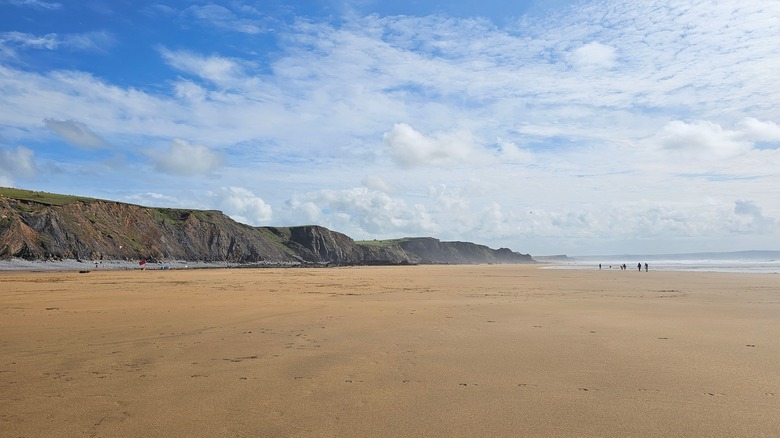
[[388, 242], [42, 197]]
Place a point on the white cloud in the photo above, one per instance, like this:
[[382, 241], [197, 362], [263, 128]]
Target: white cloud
[[216, 69], [17, 163], [377, 183], [582, 227], [154, 199], [242, 205], [223, 18], [749, 218], [409, 147], [190, 91], [758, 130], [40, 4], [11, 42], [186, 159], [89, 41], [361, 211], [702, 139], [75, 133], [510, 152], [27, 40], [593, 55]]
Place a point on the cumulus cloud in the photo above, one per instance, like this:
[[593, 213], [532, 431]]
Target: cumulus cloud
[[17, 163], [704, 139], [374, 182], [365, 211], [593, 55], [155, 199], [509, 151], [762, 131], [749, 218], [410, 148], [186, 159], [75, 133], [242, 205], [648, 225], [447, 197], [190, 91]]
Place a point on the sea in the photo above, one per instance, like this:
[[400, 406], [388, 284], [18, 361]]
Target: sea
[[691, 265]]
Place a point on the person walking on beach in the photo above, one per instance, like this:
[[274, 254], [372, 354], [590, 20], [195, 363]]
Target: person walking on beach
[[645, 267], [639, 266]]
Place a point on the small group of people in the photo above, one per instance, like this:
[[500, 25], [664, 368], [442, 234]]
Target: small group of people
[[623, 267]]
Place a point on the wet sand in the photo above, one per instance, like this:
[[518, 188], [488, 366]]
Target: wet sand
[[435, 351]]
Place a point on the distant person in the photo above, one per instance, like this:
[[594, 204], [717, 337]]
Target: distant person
[[599, 266], [639, 266], [645, 267]]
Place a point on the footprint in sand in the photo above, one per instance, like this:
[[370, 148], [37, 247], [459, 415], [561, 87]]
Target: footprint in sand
[[241, 359]]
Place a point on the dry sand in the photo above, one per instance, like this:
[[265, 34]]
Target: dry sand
[[389, 351]]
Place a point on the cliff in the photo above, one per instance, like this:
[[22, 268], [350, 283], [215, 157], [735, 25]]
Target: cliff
[[431, 250], [43, 226]]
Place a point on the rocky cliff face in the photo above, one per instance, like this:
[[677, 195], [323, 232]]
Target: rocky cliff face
[[97, 230], [431, 250]]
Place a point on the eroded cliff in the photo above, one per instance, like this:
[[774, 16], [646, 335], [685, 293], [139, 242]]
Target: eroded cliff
[[91, 229]]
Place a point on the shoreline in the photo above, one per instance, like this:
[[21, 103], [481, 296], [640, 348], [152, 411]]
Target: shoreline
[[727, 266]]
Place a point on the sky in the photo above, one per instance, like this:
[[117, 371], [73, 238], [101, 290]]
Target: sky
[[543, 126]]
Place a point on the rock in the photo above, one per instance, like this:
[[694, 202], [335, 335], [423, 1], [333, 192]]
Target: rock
[[92, 229]]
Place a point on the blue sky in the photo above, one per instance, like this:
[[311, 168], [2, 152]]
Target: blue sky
[[549, 127]]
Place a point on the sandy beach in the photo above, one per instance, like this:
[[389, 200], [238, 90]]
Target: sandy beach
[[433, 351]]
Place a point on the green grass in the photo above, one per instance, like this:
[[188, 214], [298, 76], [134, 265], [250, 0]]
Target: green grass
[[388, 242], [42, 197], [172, 216], [177, 216]]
